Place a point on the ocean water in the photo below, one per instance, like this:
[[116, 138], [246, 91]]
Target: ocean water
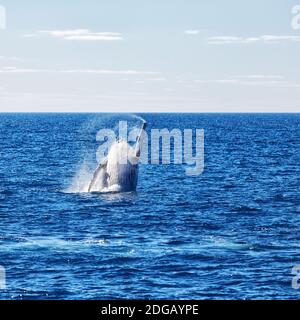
[[231, 233]]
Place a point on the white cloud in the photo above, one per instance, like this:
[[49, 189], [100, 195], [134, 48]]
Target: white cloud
[[78, 35], [274, 38], [158, 79], [192, 32], [110, 72], [218, 81], [18, 70], [86, 71], [261, 77], [268, 39], [253, 80], [94, 37], [65, 33], [4, 58]]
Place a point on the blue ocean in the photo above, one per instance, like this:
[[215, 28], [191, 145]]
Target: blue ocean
[[230, 233]]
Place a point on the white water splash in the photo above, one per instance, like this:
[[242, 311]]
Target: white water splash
[[138, 118], [81, 180], [53, 243]]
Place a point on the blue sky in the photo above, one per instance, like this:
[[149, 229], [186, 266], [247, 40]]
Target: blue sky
[[148, 56]]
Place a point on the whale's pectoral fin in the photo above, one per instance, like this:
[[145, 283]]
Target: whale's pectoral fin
[[101, 166]]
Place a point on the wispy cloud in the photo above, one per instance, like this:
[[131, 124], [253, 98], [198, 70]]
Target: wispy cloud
[[5, 58], [217, 81], [18, 70], [253, 80], [83, 71], [192, 32], [111, 72], [260, 77], [78, 35], [268, 39], [158, 79]]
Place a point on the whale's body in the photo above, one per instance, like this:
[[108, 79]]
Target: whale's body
[[119, 171]]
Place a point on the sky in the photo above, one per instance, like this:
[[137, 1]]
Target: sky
[[149, 56]]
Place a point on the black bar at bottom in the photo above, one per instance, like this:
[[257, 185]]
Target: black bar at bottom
[[137, 309]]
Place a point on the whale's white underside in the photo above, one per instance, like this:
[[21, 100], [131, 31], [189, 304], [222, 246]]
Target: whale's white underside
[[119, 171]]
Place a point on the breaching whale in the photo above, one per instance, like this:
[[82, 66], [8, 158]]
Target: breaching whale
[[118, 172]]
